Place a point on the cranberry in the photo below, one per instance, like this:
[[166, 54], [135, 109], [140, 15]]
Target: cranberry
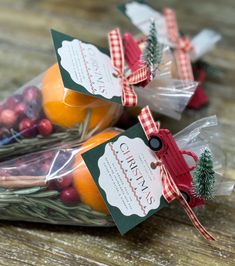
[[14, 172], [20, 109], [32, 94], [33, 110], [2, 107], [69, 196], [4, 172], [65, 155], [30, 170], [28, 127], [45, 166], [12, 101], [21, 165], [19, 161], [45, 127], [64, 181], [51, 185], [61, 159], [48, 155], [8, 118]]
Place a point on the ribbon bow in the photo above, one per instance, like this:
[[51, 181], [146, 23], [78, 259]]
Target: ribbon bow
[[170, 189], [129, 97], [182, 45]]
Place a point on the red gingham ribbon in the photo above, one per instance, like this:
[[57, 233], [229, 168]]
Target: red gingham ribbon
[[129, 97], [182, 45], [170, 189]]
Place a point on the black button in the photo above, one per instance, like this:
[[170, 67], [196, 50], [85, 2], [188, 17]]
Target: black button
[[186, 196], [155, 143]]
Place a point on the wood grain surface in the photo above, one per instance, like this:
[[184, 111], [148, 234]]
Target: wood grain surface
[[167, 238]]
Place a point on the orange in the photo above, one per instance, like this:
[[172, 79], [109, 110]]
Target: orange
[[67, 108], [82, 179]]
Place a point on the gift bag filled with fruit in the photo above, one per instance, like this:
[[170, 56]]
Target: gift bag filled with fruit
[[188, 53], [84, 93], [163, 90], [43, 113], [122, 74], [55, 185]]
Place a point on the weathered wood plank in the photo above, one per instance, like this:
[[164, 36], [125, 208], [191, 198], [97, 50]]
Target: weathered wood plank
[[167, 238]]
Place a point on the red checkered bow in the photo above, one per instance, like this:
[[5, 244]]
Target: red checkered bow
[[170, 189], [129, 97], [182, 45]]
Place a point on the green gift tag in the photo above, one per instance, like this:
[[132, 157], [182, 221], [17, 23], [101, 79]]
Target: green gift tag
[[124, 171], [85, 68]]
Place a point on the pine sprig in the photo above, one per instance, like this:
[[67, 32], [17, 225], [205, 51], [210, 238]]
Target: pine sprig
[[152, 54], [204, 176]]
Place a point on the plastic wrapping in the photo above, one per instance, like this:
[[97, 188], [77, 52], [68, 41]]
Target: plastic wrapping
[[206, 133], [204, 42], [43, 113], [141, 13], [166, 96], [163, 94], [55, 186]]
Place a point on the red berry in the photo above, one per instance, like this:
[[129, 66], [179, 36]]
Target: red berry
[[22, 167], [4, 172], [28, 127], [45, 166], [69, 196], [30, 170], [8, 118], [64, 181], [33, 110], [45, 127], [31, 94], [48, 155], [12, 101], [20, 109], [2, 107], [51, 185]]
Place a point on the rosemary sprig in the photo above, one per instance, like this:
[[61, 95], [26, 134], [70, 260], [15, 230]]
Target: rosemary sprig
[[152, 54], [27, 145], [39, 205]]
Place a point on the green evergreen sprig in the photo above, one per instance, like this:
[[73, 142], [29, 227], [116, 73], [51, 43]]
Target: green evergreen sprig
[[204, 176], [152, 54]]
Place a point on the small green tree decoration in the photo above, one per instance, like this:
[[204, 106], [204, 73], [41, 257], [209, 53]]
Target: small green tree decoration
[[204, 176], [152, 54]]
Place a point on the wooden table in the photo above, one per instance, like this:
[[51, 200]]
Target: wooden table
[[167, 238]]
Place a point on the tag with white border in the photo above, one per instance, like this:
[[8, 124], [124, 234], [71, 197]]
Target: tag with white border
[[123, 170], [85, 68], [141, 14], [203, 42]]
